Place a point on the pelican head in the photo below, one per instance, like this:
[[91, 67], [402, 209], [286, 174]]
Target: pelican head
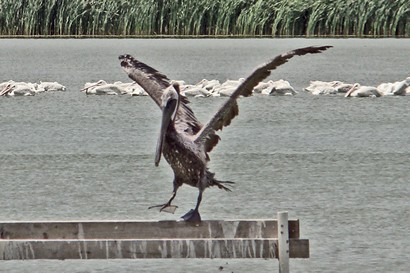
[[354, 87], [170, 102], [7, 89], [94, 84]]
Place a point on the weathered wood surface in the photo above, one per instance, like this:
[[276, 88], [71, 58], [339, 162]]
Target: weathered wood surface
[[144, 229], [145, 248], [142, 239]]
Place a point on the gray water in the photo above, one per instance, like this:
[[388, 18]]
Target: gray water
[[339, 165]]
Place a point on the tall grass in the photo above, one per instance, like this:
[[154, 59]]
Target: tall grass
[[206, 17]]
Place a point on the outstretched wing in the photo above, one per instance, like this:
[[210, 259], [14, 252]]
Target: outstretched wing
[[229, 109], [154, 82]]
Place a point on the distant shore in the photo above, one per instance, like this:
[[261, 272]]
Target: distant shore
[[204, 19], [191, 37]]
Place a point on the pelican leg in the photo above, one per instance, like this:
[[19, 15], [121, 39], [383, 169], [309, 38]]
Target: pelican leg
[[167, 207], [193, 215]]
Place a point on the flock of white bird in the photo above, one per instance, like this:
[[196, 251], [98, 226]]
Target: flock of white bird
[[213, 88], [117, 88], [205, 88], [12, 88], [399, 88]]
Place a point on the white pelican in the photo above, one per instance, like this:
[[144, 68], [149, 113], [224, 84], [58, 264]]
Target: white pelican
[[108, 89], [363, 91], [28, 85], [279, 88], [261, 86], [4, 84], [103, 88], [209, 84], [322, 88], [328, 88], [395, 88], [234, 83], [227, 88], [13, 89], [88, 85], [224, 91], [196, 91], [51, 86]]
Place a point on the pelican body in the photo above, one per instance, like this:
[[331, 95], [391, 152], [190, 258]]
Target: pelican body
[[362, 91], [16, 89], [183, 140], [187, 160]]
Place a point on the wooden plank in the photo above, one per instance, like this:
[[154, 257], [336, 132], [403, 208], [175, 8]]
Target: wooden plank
[[299, 248], [144, 229], [154, 248]]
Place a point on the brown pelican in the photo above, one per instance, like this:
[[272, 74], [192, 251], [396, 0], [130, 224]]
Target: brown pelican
[[183, 140]]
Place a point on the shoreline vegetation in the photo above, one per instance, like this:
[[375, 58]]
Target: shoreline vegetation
[[204, 18]]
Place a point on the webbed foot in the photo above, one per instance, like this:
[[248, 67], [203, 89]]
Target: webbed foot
[[192, 216], [165, 208]]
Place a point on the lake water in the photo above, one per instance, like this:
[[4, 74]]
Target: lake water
[[339, 165]]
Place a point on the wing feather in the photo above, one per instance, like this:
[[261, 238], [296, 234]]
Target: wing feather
[[154, 82], [229, 110]]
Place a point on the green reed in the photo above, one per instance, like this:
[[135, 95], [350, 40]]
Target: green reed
[[375, 18]]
